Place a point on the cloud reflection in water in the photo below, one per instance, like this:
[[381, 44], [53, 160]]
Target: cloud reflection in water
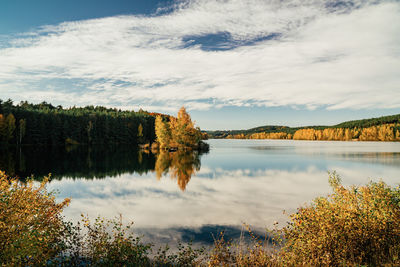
[[236, 184]]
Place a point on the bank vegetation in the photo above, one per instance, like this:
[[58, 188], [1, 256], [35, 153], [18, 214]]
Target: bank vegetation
[[385, 128], [354, 226]]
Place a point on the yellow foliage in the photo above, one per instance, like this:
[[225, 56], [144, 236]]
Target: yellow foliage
[[163, 132], [180, 132], [108, 242], [279, 135], [236, 136], [181, 165], [384, 132], [30, 222], [226, 253], [353, 226]]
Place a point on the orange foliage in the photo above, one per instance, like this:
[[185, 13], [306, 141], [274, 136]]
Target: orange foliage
[[384, 132], [30, 222], [181, 165], [236, 136], [279, 135], [353, 226], [179, 132]]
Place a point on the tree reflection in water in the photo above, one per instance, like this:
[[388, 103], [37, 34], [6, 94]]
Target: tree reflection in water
[[97, 162], [180, 165]]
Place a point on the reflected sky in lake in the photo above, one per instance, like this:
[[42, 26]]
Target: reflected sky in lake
[[238, 181]]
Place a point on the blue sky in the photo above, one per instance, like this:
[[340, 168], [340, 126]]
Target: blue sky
[[234, 64]]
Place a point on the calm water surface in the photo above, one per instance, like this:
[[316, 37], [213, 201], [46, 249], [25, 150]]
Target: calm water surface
[[174, 196]]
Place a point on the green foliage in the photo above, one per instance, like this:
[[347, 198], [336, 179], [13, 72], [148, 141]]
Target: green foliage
[[112, 243], [186, 256], [102, 243], [7, 128], [359, 124], [45, 124], [22, 130], [370, 122]]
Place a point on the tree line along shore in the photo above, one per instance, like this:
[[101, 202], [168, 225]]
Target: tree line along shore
[[45, 124], [385, 128]]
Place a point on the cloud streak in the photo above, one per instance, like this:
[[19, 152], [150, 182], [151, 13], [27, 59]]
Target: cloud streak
[[331, 54]]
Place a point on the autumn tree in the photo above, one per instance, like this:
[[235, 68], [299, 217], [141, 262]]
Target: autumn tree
[[181, 165], [183, 130], [180, 132], [140, 133], [163, 132], [30, 223]]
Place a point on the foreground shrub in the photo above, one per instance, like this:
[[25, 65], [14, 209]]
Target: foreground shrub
[[30, 223], [110, 242], [352, 226], [359, 225], [102, 243], [226, 253], [186, 256], [33, 233]]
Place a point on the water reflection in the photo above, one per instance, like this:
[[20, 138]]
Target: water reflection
[[249, 181], [80, 162], [75, 162], [180, 165]]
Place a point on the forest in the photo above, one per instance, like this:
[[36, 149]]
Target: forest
[[97, 162], [385, 128], [45, 124]]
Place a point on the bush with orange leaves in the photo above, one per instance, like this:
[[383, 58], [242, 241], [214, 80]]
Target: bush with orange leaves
[[30, 223], [353, 226]]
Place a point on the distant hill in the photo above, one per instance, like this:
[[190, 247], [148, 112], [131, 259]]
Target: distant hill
[[369, 122], [364, 123]]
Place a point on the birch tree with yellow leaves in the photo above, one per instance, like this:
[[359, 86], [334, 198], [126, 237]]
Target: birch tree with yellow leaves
[[179, 132]]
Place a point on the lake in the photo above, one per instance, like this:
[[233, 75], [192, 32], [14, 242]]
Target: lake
[[176, 197]]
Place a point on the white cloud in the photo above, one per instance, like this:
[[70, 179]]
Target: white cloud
[[335, 54], [222, 197]]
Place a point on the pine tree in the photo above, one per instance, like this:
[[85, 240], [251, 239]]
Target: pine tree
[[3, 129], [22, 129]]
